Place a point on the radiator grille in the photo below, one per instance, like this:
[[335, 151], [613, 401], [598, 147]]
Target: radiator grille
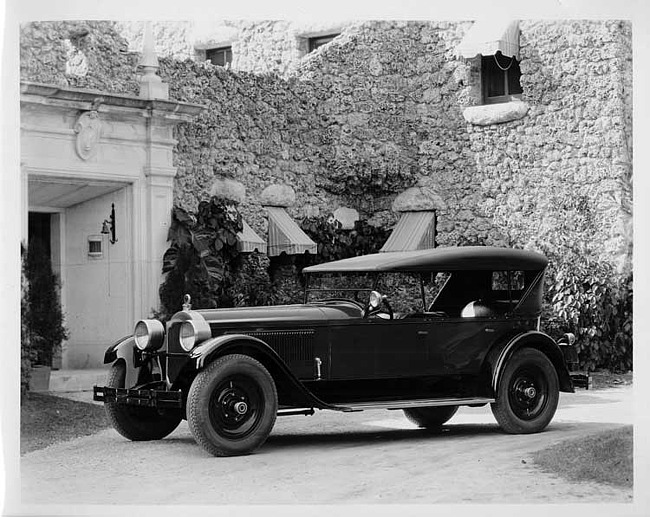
[[293, 346]]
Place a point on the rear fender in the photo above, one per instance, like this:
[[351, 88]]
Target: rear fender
[[124, 350], [206, 352], [499, 356]]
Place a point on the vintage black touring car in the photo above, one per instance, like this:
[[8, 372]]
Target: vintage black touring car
[[467, 333]]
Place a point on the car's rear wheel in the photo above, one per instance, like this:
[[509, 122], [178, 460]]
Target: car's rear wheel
[[232, 406], [430, 417], [528, 393], [137, 423]]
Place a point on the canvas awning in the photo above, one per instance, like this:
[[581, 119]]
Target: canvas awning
[[414, 231], [285, 236], [486, 37], [248, 241]]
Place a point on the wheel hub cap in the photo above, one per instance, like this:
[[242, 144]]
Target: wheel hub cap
[[530, 392], [241, 408]]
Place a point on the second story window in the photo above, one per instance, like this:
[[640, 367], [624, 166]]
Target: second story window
[[500, 78], [315, 43], [219, 56]]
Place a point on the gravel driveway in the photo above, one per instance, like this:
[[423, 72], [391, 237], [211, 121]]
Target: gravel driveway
[[369, 457]]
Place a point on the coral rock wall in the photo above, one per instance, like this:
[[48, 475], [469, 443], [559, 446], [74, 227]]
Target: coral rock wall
[[379, 110]]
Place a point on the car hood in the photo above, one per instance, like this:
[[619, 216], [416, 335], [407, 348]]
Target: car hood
[[319, 311]]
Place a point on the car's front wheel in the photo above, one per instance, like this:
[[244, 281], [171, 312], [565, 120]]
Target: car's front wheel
[[137, 423], [528, 393], [430, 417], [232, 406]]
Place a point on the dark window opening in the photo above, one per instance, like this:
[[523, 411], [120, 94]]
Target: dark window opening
[[500, 77], [38, 229], [219, 56], [315, 43]]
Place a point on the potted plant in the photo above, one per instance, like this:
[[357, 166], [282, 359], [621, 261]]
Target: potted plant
[[44, 318]]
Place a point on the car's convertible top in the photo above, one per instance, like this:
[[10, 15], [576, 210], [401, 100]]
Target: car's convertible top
[[438, 259]]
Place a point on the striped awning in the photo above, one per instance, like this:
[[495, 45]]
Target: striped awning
[[248, 241], [285, 236], [414, 231], [486, 37]]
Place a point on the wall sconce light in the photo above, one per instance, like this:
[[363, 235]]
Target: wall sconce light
[[108, 226]]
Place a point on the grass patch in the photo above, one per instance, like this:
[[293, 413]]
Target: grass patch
[[606, 457], [46, 420], [602, 379]]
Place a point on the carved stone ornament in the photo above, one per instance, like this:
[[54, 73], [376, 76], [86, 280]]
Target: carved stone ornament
[[88, 129]]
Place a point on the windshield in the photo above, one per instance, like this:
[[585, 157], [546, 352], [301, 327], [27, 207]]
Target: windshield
[[407, 292]]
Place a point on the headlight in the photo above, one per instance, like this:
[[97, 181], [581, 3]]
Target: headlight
[[569, 338], [375, 299], [149, 334], [188, 335]]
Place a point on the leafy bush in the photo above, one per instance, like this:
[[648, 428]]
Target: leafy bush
[[335, 243], [591, 300], [251, 284], [585, 294], [44, 316], [26, 353], [201, 257]]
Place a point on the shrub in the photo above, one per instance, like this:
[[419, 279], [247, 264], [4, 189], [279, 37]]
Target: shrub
[[591, 300], [335, 243], [200, 258], [44, 316], [26, 353]]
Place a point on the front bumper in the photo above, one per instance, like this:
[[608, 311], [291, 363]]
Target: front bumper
[[134, 397]]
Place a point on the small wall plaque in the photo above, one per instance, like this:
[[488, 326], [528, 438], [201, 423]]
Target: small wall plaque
[[88, 129], [95, 246]]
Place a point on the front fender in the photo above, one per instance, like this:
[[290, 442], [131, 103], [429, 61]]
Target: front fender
[[261, 351], [534, 339], [124, 350], [208, 348]]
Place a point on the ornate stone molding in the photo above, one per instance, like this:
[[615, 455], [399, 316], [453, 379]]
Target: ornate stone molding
[[89, 131]]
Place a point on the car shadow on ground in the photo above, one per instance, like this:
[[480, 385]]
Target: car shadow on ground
[[342, 437], [557, 431], [387, 436]]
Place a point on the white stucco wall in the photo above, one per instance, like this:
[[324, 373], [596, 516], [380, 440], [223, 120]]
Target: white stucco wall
[[132, 168], [99, 304]]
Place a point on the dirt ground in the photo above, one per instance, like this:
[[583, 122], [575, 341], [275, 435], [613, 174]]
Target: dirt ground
[[370, 457]]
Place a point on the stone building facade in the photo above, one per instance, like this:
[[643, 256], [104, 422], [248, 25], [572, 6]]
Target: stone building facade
[[390, 105], [381, 109]]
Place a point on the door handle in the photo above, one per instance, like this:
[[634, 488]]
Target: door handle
[[423, 332]]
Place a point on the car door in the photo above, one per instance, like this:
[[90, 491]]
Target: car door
[[376, 348]]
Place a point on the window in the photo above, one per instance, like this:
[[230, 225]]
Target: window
[[315, 43], [500, 78], [219, 56], [504, 280]]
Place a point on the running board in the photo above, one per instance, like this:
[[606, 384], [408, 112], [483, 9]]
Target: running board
[[405, 404]]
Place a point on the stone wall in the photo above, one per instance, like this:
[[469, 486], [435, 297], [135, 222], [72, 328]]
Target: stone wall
[[258, 130], [379, 110], [389, 91], [392, 94], [567, 162]]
